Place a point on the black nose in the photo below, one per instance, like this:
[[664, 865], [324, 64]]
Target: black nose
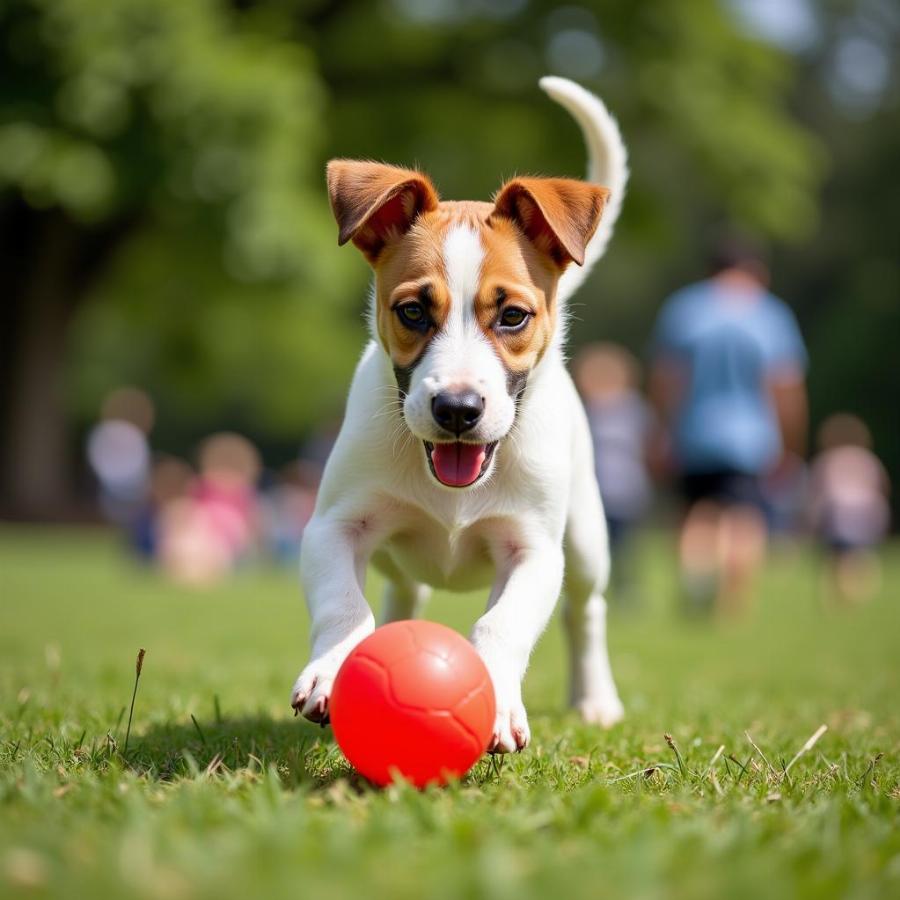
[[457, 411]]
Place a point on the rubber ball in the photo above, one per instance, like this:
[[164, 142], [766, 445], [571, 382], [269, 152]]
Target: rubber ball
[[413, 700]]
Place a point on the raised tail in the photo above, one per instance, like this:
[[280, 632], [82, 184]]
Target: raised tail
[[607, 165]]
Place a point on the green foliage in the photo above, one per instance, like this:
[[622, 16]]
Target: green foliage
[[196, 140], [704, 107], [186, 142], [133, 106], [268, 357], [252, 802], [199, 129]]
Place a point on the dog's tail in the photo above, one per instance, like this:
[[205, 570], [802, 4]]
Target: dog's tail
[[607, 165]]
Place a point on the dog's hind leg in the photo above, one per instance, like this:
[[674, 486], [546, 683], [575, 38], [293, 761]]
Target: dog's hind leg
[[403, 597], [403, 600], [592, 689]]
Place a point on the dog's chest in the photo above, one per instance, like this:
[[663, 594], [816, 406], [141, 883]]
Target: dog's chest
[[455, 557]]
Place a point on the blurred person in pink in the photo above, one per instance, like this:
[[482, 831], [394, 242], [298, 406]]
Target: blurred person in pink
[[208, 531], [607, 377], [849, 490]]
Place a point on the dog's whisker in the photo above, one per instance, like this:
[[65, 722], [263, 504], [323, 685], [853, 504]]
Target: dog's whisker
[[387, 411], [404, 435]]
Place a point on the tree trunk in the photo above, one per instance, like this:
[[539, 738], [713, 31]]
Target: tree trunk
[[36, 478], [50, 263]]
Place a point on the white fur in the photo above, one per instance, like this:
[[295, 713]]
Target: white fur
[[463, 256], [607, 165], [460, 357], [531, 527]]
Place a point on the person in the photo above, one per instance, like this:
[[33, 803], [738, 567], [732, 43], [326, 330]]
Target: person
[[607, 377], [209, 529], [849, 509], [286, 506], [728, 382], [170, 480], [119, 456]]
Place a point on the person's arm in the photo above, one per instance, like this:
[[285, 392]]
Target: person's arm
[[786, 382], [787, 388], [665, 387]]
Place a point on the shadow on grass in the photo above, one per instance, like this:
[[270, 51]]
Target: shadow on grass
[[301, 753], [304, 755]]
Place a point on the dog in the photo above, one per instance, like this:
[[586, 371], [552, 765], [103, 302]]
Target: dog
[[465, 459]]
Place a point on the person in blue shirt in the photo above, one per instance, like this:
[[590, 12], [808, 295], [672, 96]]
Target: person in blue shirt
[[728, 381]]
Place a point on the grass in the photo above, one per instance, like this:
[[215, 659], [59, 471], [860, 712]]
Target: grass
[[224, 795]]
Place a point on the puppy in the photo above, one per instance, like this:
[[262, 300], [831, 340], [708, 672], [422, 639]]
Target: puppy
[[465, 458]]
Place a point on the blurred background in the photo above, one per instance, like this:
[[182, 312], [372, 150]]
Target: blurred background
[[178, 321]]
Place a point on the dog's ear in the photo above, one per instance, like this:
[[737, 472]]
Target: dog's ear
[[558, 215], [374, 203]]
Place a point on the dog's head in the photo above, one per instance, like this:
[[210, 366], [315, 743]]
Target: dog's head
[[465, 296]]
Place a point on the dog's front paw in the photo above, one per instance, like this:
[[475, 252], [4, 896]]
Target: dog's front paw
[[511, 733], [312, 691], [605, 711]]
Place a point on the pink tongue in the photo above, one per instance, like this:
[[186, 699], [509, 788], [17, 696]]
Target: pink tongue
[[458, 464]]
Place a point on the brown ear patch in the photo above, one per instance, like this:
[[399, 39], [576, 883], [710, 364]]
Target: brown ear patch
[[558, 215], [374, 203]]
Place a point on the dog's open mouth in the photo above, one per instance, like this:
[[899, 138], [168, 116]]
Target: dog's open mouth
[[458, 464]]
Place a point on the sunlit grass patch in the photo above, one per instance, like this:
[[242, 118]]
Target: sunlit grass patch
[[713, 786]]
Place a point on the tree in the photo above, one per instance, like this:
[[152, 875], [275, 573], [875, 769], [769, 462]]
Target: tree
[[705, 108], [164, 219], [161, 151]]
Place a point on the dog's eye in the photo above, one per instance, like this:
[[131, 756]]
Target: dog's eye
[[513, 317], [412, 314]]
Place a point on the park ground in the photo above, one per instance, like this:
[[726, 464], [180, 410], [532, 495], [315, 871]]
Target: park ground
[[223, 794]]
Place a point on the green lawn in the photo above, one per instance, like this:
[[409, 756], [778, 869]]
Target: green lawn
[[250, 802]]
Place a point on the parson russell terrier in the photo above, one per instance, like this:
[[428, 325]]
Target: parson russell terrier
[[465, 458]]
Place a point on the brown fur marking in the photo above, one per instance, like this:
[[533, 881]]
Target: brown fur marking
[[536, 227]]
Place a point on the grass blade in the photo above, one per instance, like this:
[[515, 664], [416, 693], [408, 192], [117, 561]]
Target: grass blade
[[138, 667], [810, 743]]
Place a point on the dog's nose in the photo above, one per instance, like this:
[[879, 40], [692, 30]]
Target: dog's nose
[[457, 411]]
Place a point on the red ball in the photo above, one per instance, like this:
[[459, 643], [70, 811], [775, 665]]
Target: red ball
[[413, 699]]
